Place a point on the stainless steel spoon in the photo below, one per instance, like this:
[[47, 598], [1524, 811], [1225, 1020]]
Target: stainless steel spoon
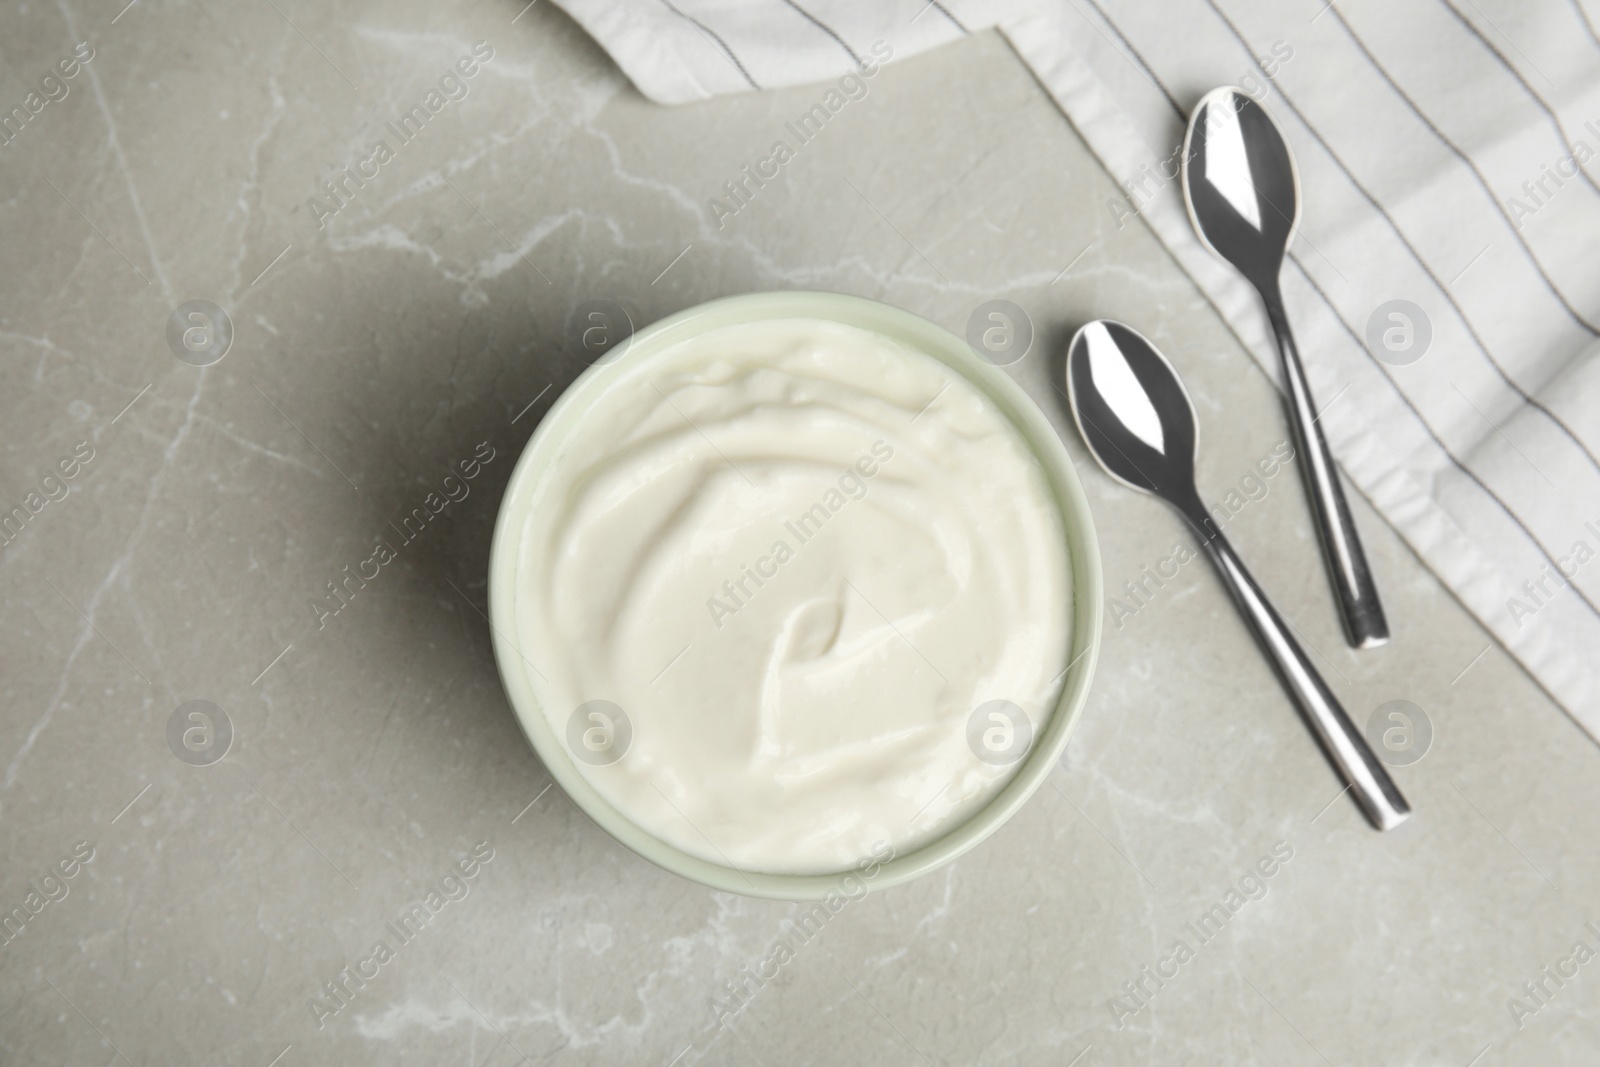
[[1139, 423], [1243, 193]]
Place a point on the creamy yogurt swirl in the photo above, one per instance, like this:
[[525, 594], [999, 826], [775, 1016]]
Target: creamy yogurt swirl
[[773, 584]]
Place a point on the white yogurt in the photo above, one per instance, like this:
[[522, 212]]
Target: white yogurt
[[798, 556]]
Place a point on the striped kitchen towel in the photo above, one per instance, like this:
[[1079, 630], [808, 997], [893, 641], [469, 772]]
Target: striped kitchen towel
[[1447, 311]]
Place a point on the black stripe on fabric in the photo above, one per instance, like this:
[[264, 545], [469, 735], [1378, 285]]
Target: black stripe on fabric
[[825, 28], [710, 34], [1555, 119], [1472, 331], [1472, 166], [1458, 464], [1583, 17], [946, 13], [1479, 482], [1136, 61]]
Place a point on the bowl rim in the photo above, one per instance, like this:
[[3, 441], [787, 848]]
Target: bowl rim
[[1042, 441]]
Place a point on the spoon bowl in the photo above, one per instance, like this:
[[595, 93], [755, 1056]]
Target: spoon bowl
[[1241, 184], [1133, 411]]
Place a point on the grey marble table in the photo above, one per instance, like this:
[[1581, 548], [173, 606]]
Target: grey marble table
[[164, 908]]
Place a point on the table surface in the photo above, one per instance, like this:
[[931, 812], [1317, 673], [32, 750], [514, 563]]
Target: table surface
[[373, 346]]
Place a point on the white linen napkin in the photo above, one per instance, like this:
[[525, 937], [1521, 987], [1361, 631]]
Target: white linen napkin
[[1449, 156]]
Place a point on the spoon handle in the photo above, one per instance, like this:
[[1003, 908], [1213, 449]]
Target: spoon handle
[[1375, 791], [1364, 622]]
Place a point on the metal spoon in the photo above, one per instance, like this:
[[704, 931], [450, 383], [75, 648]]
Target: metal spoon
[[1139, 423], [1243, 192]]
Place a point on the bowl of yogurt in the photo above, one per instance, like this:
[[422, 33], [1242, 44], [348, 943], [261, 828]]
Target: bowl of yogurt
[[795, 588]]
